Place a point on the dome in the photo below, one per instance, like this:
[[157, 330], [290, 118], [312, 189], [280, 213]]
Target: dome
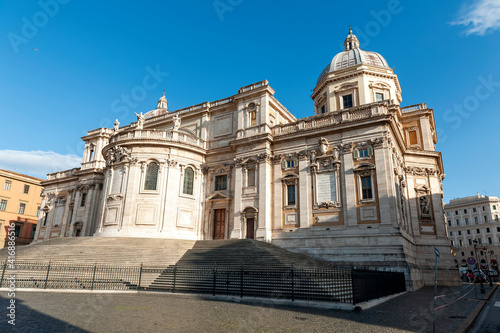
[[161, 108], [353, 56]]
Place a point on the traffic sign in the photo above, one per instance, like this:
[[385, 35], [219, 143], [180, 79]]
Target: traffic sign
[[436, 251], [471, 261]]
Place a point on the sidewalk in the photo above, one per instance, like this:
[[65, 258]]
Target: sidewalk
[[165, 312]]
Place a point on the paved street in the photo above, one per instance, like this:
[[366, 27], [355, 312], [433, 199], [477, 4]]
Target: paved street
[[163, 312], [488, 320]]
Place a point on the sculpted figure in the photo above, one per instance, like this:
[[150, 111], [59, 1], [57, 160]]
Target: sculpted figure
[[140, 120]]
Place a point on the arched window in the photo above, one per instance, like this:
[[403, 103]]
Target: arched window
[[151, 177], [188, 181]]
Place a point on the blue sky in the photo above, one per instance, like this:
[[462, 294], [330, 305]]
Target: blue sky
[[68, 66]]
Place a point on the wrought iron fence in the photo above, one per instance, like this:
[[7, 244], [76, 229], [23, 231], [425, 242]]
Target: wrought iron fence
[[336, 284]]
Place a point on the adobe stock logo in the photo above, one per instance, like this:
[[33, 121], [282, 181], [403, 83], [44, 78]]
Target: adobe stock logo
[[40, 19]]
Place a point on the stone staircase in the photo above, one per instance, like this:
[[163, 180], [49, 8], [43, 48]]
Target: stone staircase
[[102, 250], [223, 266]]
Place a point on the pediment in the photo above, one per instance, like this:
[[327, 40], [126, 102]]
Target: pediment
[[219, 196]]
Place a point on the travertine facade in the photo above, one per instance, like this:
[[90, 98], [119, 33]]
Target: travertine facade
[[358, 183]]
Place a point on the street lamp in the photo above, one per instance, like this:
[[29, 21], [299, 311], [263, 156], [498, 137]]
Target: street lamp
[[474, 242], [488, 267]]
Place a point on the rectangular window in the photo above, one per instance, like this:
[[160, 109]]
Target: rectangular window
[[465, 211], [347, 99], [468, 232], [363, 152], [479, 241], [3, 205], [461, 242], [471, 253], [413, 137], [496, 217], [467, 221], [253, 118], [498, 229], [33, 230], [291, 194], [470, 241], [463, 254], [221, 183], [366, 187], [477, 231], [82, 201], [487, 229], [290, 164], [476, 220], [22, 207], [459, 233], [494, 207], [451, 233], [323, 109], [26, 189], [447, 213], [490, 241], [474, 209], [485, 218], [449, 223], [379, 97], [484, 208], [38, 211], [7, 185], [458, 221], [251, 177], [452, 243]]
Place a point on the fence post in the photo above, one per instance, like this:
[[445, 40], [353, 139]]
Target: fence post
[[47, 276], [293, 287], [93, 277], [241, 282], [215, 279], [175, 276], [353, 283], [140, 277], [3, 273]]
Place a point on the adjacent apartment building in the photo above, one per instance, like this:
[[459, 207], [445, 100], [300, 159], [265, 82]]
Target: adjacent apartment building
[[474, 218], [20, 202]]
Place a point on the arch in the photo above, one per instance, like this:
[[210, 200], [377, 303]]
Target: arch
[[250, 221], [77, 229], [151, 178]]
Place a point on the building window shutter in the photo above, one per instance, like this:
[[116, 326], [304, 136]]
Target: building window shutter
[[283, 164], [356, 153], [370, 151]]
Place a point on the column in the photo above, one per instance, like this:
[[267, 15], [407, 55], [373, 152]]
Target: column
[[238, 190], [304, 187], [349, 186], [264, 229]]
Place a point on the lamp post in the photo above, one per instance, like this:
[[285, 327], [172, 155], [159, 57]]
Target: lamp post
[[474, 242], [488, 265]]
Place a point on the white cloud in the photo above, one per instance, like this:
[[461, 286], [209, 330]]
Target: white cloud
[[37, 163], [481, 17]]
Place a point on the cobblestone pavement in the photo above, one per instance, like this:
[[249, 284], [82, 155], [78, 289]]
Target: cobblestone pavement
[[164, 312]]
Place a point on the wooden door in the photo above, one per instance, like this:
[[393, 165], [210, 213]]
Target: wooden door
[[219, 223], [251, 228]]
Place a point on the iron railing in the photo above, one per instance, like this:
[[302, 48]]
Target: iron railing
[[336, 284]]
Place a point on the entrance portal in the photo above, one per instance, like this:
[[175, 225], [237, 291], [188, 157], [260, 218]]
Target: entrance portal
[[251, 228], [219, 223]]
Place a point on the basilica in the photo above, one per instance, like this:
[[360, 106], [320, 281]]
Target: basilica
[[358, 183]]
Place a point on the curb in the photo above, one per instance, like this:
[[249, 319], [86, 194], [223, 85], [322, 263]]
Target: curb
[[471, 318]]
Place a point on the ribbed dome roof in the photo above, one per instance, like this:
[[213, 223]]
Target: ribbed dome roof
[[353, 56]]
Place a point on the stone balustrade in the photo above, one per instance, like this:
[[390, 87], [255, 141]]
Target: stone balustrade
[[158, 135], [329, 119]]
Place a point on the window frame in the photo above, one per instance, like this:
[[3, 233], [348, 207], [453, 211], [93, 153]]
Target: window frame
[[3, 205], [217, 187], [343, 99], [22, 208], [7, 185], [185, 181], [26, 189]]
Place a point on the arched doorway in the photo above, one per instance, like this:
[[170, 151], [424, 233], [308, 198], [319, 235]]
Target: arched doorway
[[77, 229], [250, 219]]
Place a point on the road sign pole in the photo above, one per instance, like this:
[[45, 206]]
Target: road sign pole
[[436, 252]]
